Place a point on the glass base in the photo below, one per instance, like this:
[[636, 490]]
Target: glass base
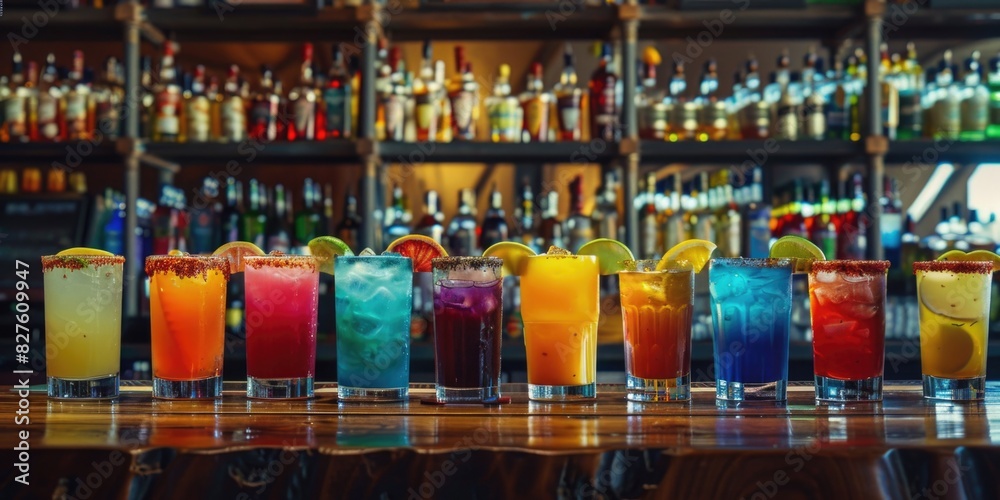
[[280, 388], [562, 392], [831, 389], [962, 389], [658, 390], [467, 395], [91, 388], [739, 391], [369, 395], [206, 388]]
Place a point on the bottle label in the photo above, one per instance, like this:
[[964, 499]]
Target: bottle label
[[975, 113], [426, 112], [234, 124], [167, 121], [536, 119], [198, 119], [336, 100], [653, 121], [569, 113], [394, 116], [305, 117], [505, 120], [107, 116], [462, 106], [911, 115], [48, 107], [15, 116], [262, 120], [76, 106]]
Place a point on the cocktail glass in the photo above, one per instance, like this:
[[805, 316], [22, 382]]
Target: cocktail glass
[[657, 308], [847, 305], [373, 302], [954, 301], [187, 308], [468, 325], [83, 320], [560, 309], [282, 294], [751, 310]]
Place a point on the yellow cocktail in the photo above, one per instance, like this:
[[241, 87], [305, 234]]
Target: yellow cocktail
[[560, 308], [83, 314], [954, 301]]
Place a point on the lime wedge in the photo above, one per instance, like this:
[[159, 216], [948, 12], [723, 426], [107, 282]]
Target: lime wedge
[[973, 256], [696, 252], [325, 249], [611, 254], [802, 251], [84, 251], [234, 251], [513, 255]]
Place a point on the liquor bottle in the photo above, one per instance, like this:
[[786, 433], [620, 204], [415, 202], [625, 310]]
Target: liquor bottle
[[147, 96], [524, 217], [728, 220], [851, 235], [672, 217], [755, 115], [262, 121], [823, 232], [504, 110], [794, 222], [49, 118], [214, 95], [993, 83], [77, 111], [302, 101], [550, 230], [442, 103], [396, 224], [185, 81], [204, 219], [911, 90], [167, 105], [975, 101], [349, 227], [425, 93], [535, 103], [713, 117], [651, 111], [197, 109], [838, 119], [702, 224], [232, 213], [254, 218], [814, 104], [114, 228], [947, 106], [890, 94], [579, 227], [786, 111], [279, 232], [15, 122], [55, 180], [682, 113], [494, 227], [568, 100], [605, 213], [604, 100], [107, 98], [166, 221], [233, 110], [463, 230], [394, 100], [430, 224], [464, 97], [337, 98], [649, 245], [891, 222], [909, 246], [308, 221]]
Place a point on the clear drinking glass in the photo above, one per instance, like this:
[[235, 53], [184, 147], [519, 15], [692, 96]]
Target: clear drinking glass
[[751, 310], [847, 305], [954, 301], [187, 309], [83, 321], [468, 325], [657, 308], [282, 297], [374, 298]]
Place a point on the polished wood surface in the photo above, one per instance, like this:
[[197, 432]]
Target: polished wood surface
[[904, 447]]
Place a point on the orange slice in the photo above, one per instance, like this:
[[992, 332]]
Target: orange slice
[[235, 251], [419, 248]]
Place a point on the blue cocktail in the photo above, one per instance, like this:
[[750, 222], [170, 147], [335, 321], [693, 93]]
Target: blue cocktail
[[751, 310], [373, 303]]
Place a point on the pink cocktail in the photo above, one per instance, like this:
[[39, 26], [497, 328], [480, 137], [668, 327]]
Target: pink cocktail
[[282, 293]]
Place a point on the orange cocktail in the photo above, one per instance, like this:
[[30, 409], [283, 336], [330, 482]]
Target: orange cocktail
[[560, 308], [187, 306]]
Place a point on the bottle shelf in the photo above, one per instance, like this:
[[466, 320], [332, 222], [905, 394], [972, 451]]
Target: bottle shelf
[[491, 152], [63, 152], [816, 22], [759, 151], [327, 152], [931, 151]]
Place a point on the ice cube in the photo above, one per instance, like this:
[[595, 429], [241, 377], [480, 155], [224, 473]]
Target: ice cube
[[836, 293], [366, 325], [726, 286], [826, 277], [861, 278], [382, 297], [860, 293], [367, 252], [860, 310], [839, 328]]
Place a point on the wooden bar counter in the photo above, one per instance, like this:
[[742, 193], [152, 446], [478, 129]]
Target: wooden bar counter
[[905, 447]]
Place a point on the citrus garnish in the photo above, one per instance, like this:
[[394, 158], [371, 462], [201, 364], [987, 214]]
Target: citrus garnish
[[802, 252], [611, 254], [420, 249], [235, 251], [651, 56], [953, 348], [513, 255], [696, 252], [84, 251], [325, 249], [176, 253], [952, 295], [973, 256]]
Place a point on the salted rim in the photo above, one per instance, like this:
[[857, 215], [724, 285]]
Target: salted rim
[[465, 263], [744, 262], [288, 261], [851, 267], [74, 262], [187, 266], [955, 266]]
